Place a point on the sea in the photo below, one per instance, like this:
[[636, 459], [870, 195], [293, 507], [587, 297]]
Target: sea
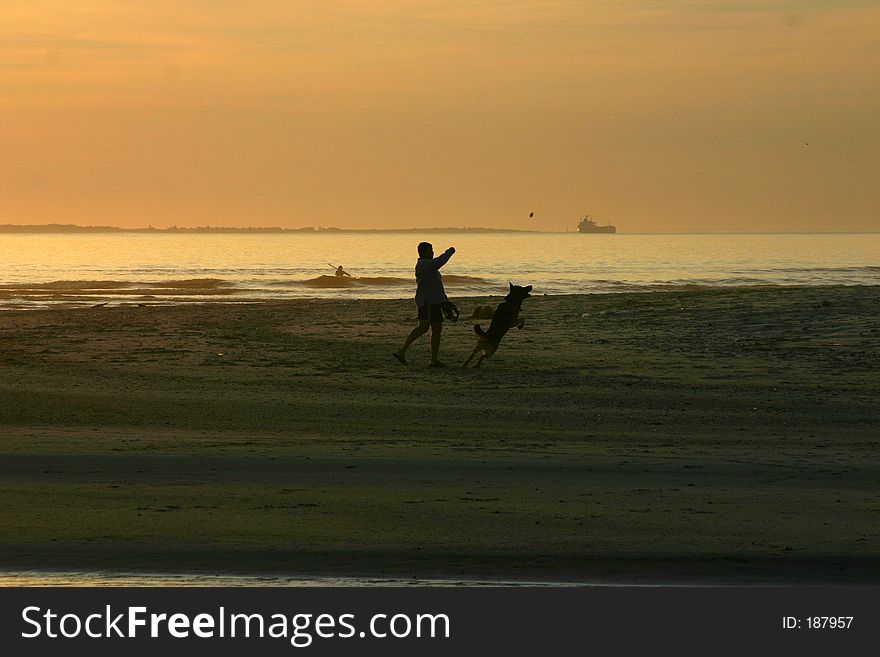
[[57, 270]]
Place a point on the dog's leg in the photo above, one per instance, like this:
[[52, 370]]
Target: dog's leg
[[480, 362], [470, 358]]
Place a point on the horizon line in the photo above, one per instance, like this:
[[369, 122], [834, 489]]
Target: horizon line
[[75, 228]]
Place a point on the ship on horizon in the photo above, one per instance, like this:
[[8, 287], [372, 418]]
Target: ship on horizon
[[588, 225]]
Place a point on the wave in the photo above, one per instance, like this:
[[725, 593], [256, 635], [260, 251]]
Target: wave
[[600, 287], [346, 282], [327, 281], [69, 285], [459, 279], [78, 290], [197, 284], [872, 269], [620, 286], [192, 283]]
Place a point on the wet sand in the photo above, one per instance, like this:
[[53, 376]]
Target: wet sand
[[701, 436]]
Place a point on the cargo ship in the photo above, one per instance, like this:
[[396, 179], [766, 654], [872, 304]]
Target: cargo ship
[[587, 225]]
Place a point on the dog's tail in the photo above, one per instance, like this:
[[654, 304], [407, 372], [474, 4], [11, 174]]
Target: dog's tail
[[479, 331]]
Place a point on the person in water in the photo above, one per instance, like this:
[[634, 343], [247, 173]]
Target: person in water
[[341, 272], [430, 297]]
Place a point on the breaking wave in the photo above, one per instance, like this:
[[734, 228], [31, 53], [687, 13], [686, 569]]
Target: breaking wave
[[330, 282], [85, 287], [83, 292], [457, 279], [346, 282]]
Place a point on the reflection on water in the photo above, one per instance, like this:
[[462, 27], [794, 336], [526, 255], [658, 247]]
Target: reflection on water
[[85, 579]]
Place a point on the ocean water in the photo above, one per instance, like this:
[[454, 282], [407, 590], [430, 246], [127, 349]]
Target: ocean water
[[58, 270]]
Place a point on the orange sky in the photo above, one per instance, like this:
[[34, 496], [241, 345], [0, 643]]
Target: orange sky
[[657, 116]]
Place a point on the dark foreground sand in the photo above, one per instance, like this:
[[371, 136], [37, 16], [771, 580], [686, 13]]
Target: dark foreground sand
[[718, 436]]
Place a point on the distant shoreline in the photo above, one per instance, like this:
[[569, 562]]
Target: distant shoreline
[[71, 228]]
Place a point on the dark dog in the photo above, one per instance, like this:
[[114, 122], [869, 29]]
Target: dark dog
[[505, 318]]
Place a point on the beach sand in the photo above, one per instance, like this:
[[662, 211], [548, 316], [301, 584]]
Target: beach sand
[[675, 437]]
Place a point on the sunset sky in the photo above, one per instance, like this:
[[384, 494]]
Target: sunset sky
[[655, 115]]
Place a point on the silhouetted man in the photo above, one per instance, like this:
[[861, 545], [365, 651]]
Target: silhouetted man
[[430, 297]]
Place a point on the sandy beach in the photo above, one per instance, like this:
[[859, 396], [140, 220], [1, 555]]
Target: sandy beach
[[700, 436]]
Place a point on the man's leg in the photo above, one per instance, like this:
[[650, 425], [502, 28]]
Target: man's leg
[[419, 330], [436, 333]]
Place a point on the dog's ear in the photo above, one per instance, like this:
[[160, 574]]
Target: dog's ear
[[511, 285], [528, 288]]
